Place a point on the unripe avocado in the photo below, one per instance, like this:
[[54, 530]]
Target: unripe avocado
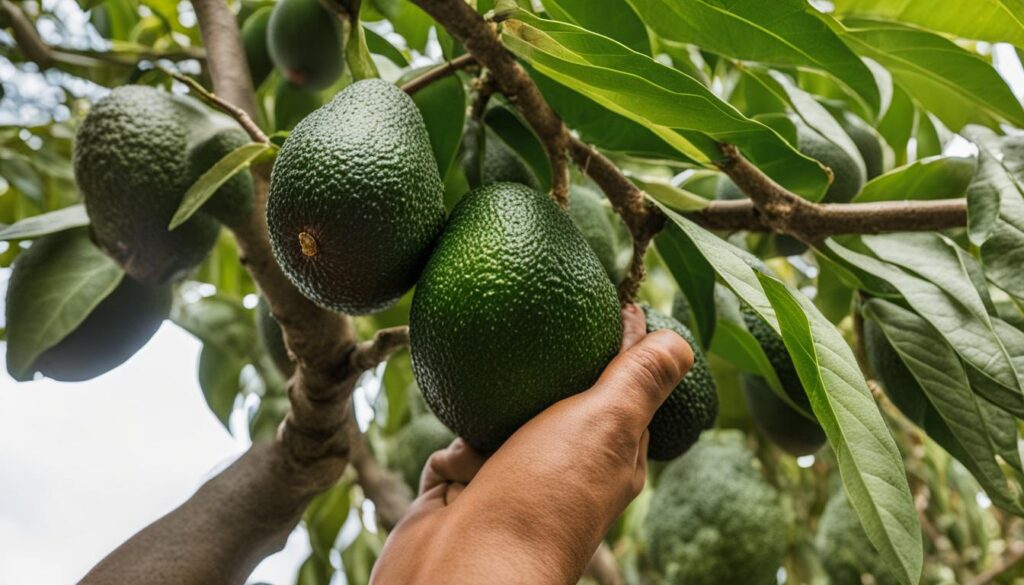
[[234, 200], [487, 159], [292, 104], [793, 432], [898, 383], [693, 405], [305, 44], [590, 217], [844, 549], [512, 313], [113, 332], [869, 143], [356, 201], [416, 443], [273, 338], [714, 520], [254, 41], [134, 162], [847, 176]]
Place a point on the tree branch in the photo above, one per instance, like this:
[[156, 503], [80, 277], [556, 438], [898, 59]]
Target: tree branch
[[440, 72], [369, 354], [26, 35], [225, 106]]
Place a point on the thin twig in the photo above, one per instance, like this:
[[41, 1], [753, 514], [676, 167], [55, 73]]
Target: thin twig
[[436, 73], [369, 354], [225, 106], [485, 86]]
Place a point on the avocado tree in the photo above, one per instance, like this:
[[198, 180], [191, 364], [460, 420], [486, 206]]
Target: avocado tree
[[828, 197]]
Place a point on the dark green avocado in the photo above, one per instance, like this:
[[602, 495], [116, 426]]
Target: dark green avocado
[[305, 43]]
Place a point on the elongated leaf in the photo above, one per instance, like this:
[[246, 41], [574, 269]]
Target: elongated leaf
[[676, 107], [897, 125], [696, 279], [979, 431], [869, 461], [677, 198], [611, 18], [219, 374], [46, 223], [443, 105], [211, 180], [987, 20], [937, 177], [54, 292], [518, 136], [780, 32], [954, 84]]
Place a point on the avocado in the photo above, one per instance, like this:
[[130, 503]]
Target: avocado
[[869, 143], [847, 176], [895, 378], [272, 338], [254, 41], [590, 216], [487, 159], [793, 432], [134, 160], [234, 200], [305, 42], [416, 442], [356, 202], [511, 280], [693, 405], [113, 331], [292, 104], [843, 546]]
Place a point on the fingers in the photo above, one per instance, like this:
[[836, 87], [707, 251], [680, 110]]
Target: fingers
[[634, 326], [639, 380], [459, 463]]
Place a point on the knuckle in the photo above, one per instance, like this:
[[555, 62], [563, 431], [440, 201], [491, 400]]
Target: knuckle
[[654, 366]]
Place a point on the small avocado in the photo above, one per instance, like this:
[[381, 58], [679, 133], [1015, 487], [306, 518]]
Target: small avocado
[[511, 278], [113, 331], [254, 41], [591, 217], [136, 154], [292, 104], [872, 147], [305, 42], [693, 405], [847, 176], [356, 202], [416, 442]]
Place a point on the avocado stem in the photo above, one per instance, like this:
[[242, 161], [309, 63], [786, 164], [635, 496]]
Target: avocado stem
[[308, 244]]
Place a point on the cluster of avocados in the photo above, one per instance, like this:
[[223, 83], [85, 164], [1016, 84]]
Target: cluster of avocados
[[136, 154], [356, 218]]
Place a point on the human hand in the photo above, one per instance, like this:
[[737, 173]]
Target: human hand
[[535, 511]]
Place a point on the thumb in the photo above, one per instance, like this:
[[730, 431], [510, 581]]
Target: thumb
[[639, 379]]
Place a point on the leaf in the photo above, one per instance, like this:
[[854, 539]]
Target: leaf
[[897, 125], [54, 294], [958, 86], [443, 105], [695, 278], [980, 432], [220, 322], [381, 46], [668, 194], [46, 223], [615, 19], [987, 20], [869, 462], [937, 177], [219, 377], [24, 177], [781, 32], [325, 516], [207, 184], [357, 54], [676, 107], [520, 138]]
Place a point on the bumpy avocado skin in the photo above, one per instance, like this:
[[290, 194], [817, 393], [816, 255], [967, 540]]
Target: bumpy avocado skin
[[693, 405], [793, 432], [844, 548], [133, 164], [511, 278], [254, 41], [416, 443], [113, 332], [714, 520], [304, 40], [356, 202]]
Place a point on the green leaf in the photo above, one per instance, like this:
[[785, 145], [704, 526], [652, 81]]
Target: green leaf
[[46, 223], [611, 18], [357, 54], [220, 322], [937, 177], [696, 280], [518, 136], [219, 377], [781, 32], [897, 124], [54, 296], [381, 46], [443, 105], [668, 194], [325, 516], [869, 462], [978, 432], [207, 184], [983, 20], [24, 177], [958, 86], [676, 107]]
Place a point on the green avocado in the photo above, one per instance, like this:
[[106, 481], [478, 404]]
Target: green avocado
[[136, 154], [590, 216], [416, 442], [847, 176], [714, 520], [693, 405], [114, 331], [793, 432], [487, 159], [305, 42], [356, 202], [292, 104], [511, 279], [870, 144], [843, 546], [272, 338], [254, 41]]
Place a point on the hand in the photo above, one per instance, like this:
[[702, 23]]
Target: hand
[[535, 511]]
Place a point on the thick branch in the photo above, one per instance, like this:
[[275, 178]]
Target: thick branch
[[226, 59], [478, 37], [440, 72], [369, 354]]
